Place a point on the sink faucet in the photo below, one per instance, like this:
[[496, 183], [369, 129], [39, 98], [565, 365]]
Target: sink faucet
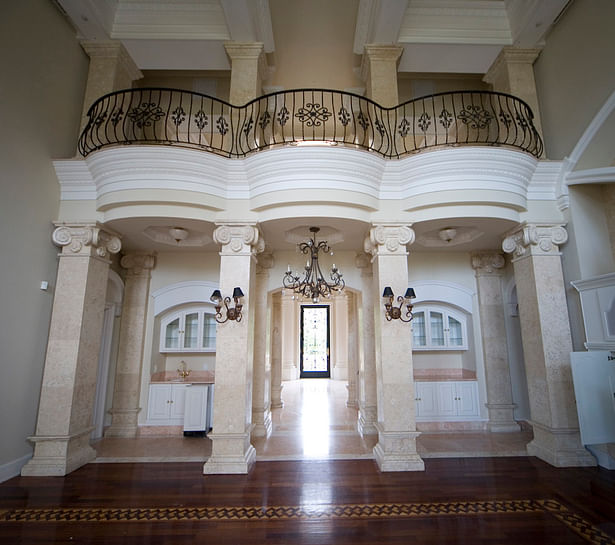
[[183, 370]]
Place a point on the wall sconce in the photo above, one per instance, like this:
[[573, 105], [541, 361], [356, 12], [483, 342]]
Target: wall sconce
[[396, 313], [232, 313]]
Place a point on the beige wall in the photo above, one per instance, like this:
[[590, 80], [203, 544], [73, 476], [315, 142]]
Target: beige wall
[[215, 84], [40, 112], [574, 74], [419, 85], [318, 54]]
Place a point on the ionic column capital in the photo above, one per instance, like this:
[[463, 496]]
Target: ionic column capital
[[239, 239], [488, 263], [88, 239], [138, 263], [390, 239], [535, 239]]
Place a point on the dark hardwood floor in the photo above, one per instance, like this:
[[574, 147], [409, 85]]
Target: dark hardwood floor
[[463, 500]]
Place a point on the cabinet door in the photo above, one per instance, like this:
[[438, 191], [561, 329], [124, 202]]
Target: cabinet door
[[171, 335], [426, 399], [191, 330], [178, 400], [446, 399], [467, 398], [159, 407], [195, 415]]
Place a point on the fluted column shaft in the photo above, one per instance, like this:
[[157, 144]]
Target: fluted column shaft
[[261, 389], [367, 366], [545, 332], [232, 421], [487, 267], [125, 408], [61, 442], [396, 447]]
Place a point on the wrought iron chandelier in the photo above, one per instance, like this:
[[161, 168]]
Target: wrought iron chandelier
[[313, 285]]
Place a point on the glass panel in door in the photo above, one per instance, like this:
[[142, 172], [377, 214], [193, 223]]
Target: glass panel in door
[[454, 332], [171, 337], [315, 341], [436, 328], [191, 330], [209, 331], [418, 329]]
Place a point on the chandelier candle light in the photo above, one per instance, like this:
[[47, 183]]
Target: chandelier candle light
[[313, 285]]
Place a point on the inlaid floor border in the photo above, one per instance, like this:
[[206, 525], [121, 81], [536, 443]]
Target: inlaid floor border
[[574, 522]]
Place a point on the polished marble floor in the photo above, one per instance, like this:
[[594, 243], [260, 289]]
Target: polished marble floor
[[314, 424]]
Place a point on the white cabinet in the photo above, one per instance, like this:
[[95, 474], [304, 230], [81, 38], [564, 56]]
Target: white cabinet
[[196, 408], [191, 330], [185, 404], [447, 400], [166, 404]]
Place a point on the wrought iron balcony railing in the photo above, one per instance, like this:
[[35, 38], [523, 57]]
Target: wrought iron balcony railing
[[191, 120]]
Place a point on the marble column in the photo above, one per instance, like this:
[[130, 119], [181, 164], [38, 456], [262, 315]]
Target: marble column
[[339, 369], [261, 390], [232, 422], [62, 438], [512, 72], [248, 67], [367, 359], [353, 351], [276, 353], [111, 69], [379, 71], [487, 267], [396, 447], [125, 408], [289, 336], [545, 333]]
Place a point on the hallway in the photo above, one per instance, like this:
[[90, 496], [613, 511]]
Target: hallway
[[314, 424]]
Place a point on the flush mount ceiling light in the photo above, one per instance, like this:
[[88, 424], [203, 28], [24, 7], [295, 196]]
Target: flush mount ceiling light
[[447, 234], [178, 234]]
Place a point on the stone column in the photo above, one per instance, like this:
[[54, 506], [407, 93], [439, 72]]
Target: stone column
[[247, 70], [512, 72], [125, 408], [545, 332], [62, 439], [232, 424], [379, 71], [261, 390], [276, 353], [353, 351], [396, 447], [339, 369], [367, 361], [111, 69], [289, 337], [487, 267]]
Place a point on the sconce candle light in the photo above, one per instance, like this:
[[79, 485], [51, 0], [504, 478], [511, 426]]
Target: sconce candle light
[[232, 313], [396, 313]]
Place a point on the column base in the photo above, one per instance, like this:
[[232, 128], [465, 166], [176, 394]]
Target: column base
[[501, 418], [559, 447], [366, 424], [396, 451], [276, 397], [59, 455], [124, 423], [262, 424], [231, 453]]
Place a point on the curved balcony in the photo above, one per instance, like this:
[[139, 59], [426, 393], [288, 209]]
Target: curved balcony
[[192, 120]]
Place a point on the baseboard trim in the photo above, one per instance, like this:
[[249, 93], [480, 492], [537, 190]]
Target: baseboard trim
[[13, 469]]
